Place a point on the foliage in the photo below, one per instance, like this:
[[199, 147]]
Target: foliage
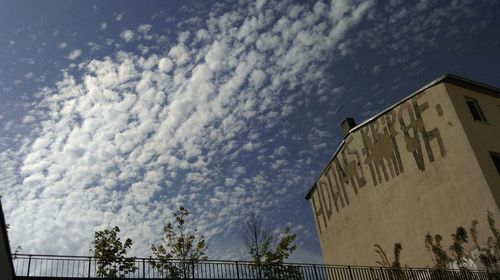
[[384, 261], [397, 255], [488, 255], [274, 257], [110, 252], [16, 252], [268, 253], [178, 244], [438, 255], [256, 234], [459, 238], [18, 248]]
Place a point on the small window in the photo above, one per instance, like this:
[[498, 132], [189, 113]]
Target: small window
[[496, 160], [475, 109]]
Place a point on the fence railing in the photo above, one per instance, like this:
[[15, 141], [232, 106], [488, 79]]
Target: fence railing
[[146, 268]]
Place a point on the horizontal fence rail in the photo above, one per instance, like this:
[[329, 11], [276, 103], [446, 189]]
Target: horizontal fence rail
[[52, 266]]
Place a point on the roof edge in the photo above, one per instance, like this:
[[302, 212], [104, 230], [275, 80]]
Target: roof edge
[[447, 77]]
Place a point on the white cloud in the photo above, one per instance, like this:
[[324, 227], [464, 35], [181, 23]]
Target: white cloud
[[103, 26], [165, 64], [144, 28], [133, 135], [119, 16], [127, 35], [62, 45], [74, 54], [179, 54]]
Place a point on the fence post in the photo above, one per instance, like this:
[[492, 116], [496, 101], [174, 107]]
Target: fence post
[[192, 269], [143, 268], [315, 272], [412, 274], [29, 264], [350, 272], [382, 272], [237, 271], [260, 274], [90, 264]]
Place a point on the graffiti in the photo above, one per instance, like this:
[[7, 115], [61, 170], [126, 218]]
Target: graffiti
[[357, 179], [318, 212], [381, 149], [415, 128], [336, 188], [331, 187], [377, 152]]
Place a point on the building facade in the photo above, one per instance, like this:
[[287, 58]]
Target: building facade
[[427, 164], [6, 265]]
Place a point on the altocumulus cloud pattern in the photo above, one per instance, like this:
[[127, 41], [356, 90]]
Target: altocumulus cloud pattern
[[139, 124]]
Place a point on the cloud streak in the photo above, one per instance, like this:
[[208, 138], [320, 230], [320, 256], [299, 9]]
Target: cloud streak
[[132, 137], [126, 138]]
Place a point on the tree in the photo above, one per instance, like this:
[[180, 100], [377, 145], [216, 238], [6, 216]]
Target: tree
[[459, 238], [181, 245], [397, 255], [275, 256], [384, 261], [438, 255], [110, 252], [489, 254], [18, 248], [268, 252], [255, 235]]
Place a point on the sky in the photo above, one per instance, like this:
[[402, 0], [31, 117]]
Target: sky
[[118, 112]]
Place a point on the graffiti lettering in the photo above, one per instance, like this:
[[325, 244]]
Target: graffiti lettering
[[334, 190], [381, 148], [416, 127], [377, 151], [318, 212]]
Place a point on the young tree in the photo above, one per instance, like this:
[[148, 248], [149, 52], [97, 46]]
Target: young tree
[[268, 253], [489, 255], [384, 261], [438, 255], [275, 256], [178, 244], [459, 238], [18, 248], [110, 252], [397, 255], [493, 243], [255, 235]]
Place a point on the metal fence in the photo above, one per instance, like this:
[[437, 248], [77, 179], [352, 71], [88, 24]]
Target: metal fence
[[27, 266]]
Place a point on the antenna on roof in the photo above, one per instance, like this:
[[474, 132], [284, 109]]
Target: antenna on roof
[[337, 111]]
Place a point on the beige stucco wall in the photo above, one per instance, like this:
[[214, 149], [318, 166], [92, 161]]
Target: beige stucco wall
[[432, 183], [484, 137]]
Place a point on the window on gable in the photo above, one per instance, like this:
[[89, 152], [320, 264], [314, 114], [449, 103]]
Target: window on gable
[[475, 109], [496, 160]]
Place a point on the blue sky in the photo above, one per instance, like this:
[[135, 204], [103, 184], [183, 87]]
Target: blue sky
[[117, 112]]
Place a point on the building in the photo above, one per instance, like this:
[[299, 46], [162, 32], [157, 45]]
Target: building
[[429, 163], [6, 265]]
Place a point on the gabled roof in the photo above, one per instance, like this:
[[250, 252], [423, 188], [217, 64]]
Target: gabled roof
[[448, 77]]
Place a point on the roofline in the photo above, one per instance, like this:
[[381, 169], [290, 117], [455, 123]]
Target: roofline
[[447, 77]]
